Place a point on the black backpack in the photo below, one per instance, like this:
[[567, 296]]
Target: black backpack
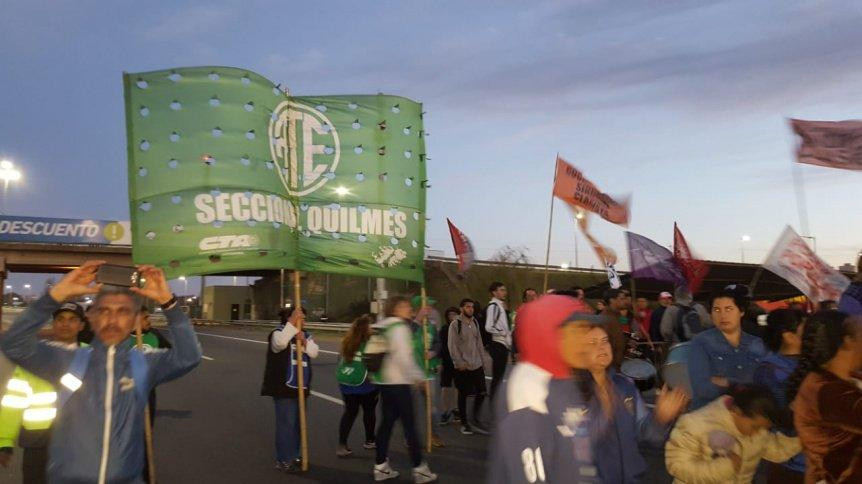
[[687, 323], [491, 309]]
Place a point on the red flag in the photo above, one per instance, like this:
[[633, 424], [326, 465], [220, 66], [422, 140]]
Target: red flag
[[694, 270], [463, 248], [571, 187], [834, 144]]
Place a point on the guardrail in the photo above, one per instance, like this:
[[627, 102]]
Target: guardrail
[[318, 326]]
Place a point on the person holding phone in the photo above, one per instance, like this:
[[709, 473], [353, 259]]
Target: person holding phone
[[102, 443]]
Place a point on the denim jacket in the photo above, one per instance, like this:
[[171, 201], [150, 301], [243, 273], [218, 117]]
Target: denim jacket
[[712, 355], [616, 440]]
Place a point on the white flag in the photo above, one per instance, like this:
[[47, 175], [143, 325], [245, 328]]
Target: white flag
[[794, 261], [613, 277]]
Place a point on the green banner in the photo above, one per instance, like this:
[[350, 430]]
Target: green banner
[[226, 173]]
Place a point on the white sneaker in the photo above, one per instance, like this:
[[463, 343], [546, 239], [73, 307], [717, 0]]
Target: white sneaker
[[383, 472], [423, 474]]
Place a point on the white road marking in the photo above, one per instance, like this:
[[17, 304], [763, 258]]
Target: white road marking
[[327, 397], [314, 393], [207, 358], [256, 341], [231, 337]]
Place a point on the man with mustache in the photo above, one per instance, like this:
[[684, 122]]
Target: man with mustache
[[98, 435]]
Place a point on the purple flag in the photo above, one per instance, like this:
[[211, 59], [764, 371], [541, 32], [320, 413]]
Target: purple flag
[[649, 260]]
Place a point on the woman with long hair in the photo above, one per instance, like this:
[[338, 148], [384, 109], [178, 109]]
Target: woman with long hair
[[827, 400], [783, 336], [622, 419], [357, 391], [724, 355]]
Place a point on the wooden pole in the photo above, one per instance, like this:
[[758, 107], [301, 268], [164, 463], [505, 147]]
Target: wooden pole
[[148, 428], [755, 280], [550, 226], [303, 430], [281, 291], [425, 344]]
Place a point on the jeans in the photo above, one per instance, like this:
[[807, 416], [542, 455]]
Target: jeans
[[434, 385], [352, 403], [286, 429], [397, 402], [500, 356]]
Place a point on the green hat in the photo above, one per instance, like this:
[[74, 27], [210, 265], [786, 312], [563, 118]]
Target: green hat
[[416, 302]]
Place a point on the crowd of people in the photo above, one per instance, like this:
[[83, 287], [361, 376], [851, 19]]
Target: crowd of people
[[565, 405]]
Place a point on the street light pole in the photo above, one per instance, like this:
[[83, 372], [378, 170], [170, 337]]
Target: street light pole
[[8, 173], [745, 238]]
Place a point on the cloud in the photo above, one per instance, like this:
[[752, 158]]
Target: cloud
[[690, 56], [188, 23]]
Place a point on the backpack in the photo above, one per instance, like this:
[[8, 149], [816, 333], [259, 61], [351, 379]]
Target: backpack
[[687, 323], [352, 374], [376, 348], [486, 336]]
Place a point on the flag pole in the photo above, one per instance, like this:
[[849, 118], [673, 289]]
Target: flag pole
[[148, 427], [427, 382], [801, 200], [281, 291], [300, 373], [755, 280], [550, 226]]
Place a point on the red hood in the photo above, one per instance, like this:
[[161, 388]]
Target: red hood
[[536, 333]]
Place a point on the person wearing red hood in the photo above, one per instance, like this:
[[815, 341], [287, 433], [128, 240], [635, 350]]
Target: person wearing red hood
[[542, 422]]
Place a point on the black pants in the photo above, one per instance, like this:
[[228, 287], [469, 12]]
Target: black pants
[[462, 407], [397, 402], [34, 465], [499, 356], [352, 403]]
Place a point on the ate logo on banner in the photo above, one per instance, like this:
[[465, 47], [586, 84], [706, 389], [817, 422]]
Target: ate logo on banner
[[305, 147]]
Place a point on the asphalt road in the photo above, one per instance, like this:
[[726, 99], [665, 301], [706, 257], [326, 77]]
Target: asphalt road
[[212, 426]]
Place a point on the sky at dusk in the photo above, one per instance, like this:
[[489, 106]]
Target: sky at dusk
[[683, 104]]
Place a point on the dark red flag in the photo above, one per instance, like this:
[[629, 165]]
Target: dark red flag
[[693, 269], [463, 248]]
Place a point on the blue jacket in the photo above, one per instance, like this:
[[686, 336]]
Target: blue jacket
[[773, 371], [851, 300], [82, 450], [711, 355], [616, 440]]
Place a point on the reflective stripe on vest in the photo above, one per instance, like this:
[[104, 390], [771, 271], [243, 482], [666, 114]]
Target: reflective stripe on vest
[[39, 418], [15, 401], [20, 386]]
